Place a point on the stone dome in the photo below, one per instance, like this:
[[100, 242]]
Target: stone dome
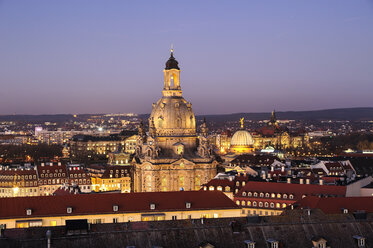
[[242, 138], [172, 63], [173, 116]]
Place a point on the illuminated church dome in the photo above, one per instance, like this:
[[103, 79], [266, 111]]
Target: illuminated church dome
[[242, 141], [242, 138], [172, 116]]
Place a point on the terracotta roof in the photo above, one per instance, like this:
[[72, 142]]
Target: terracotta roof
[[336, 204], [84, 204]]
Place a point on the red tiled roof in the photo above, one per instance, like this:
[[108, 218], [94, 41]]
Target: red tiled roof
[[336, 204], [84, 204], [220, 182], [298, 190]]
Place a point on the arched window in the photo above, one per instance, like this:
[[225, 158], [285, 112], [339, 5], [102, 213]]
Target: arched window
[[254, 204], [266, 204], [178, 122], [272, 205], [172, 80], [260, 204], [160, 122]]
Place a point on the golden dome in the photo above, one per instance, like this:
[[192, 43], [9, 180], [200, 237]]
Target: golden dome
[[242, 142], [173, 116], [242, 138]]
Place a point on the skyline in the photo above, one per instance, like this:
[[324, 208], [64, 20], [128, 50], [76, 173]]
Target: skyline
[[77, 58]]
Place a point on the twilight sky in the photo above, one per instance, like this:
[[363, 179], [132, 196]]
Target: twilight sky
[[236, 56]]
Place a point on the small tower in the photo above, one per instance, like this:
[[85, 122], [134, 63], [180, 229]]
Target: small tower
[[172, 77]]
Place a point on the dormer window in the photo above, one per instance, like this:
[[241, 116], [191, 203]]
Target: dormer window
[[243, 193], [28, 211], [219, 188], [360, 240], [188, 204], [345, 210], [249, 194], [152, 206], [211, 188], [273, 243], [115, 208], [69, 210], [249, 244]]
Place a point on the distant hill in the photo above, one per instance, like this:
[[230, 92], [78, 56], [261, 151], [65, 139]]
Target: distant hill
[[352, 114]]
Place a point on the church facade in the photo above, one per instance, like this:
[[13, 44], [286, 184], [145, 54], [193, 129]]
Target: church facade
[[172, 156]]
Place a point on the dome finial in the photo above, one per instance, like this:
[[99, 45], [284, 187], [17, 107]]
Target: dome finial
[[241, 121], [172, 50]]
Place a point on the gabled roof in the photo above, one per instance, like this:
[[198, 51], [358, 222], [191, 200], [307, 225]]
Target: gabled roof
[[335, 205], [89, 204]]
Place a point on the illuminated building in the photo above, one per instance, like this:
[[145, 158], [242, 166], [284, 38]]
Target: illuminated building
[[42, 179], [241, 141], [115, 208], [115, 178], [278, 137], [172, 157], [130, 144], [86, 146], [18, 182]]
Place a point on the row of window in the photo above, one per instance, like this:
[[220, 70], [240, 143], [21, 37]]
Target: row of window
[[268, 195], [6, 177], [261, 204], [220, 188]]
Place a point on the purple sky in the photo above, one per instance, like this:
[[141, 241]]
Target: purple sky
[[235, 56]]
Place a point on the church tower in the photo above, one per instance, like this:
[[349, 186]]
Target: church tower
[[170, 158]]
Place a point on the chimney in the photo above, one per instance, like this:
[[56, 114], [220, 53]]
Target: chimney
[[307, 181], [321, 182], [288, 180], [301, 181]]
